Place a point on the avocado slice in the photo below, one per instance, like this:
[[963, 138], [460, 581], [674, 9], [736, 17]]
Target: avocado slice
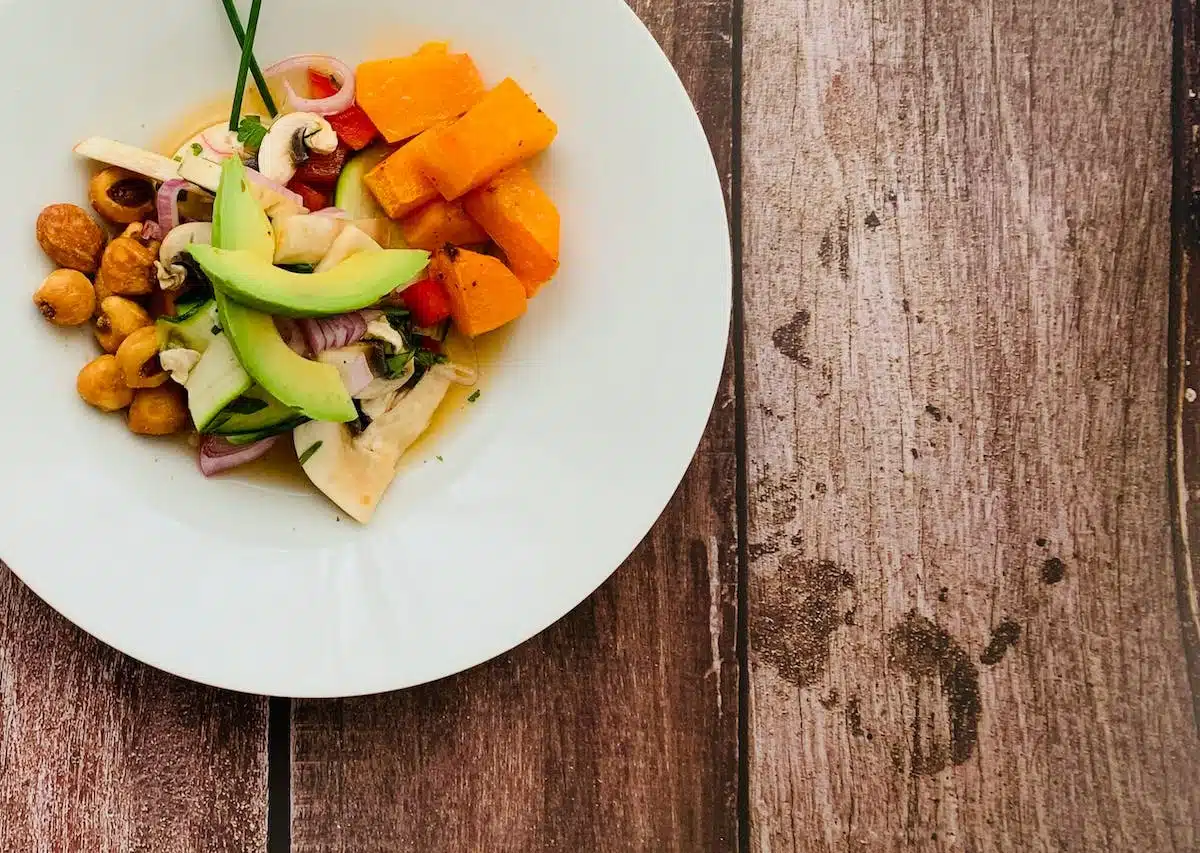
[[357, 282], [314, 389]]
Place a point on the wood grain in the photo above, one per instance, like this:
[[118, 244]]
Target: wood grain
[[963, 616], [1184, 338], [100, 753], [615, 730]]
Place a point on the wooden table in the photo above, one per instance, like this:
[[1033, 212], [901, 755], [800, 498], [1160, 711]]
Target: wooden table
[[928, 583]]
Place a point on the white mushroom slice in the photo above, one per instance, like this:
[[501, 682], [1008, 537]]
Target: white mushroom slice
[[143, 162], [305, 239], [182, 236], [179, 363], [283, 147], [170, 276], [355, 471]]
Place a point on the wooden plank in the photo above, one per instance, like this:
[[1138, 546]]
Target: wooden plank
[[101, 753], [616, 729], [963, 620], [1184, 340]]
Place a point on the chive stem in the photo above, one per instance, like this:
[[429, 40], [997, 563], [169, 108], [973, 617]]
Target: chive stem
[[247, 42], [235, 22]]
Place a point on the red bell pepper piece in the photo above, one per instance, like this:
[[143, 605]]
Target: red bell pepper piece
[[428, 302], [313, 198], [353, 126]]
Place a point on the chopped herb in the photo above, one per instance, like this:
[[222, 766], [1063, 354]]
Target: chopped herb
[[177, 159], [427, 359], [216, 330], [473, 397], [251, 132], [398, 363], [219, 421], [246, 406], [300, 268], [197, 149], [440, 459], [308, 454]]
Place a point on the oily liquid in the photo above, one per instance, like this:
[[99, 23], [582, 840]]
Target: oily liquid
[[280, 468]]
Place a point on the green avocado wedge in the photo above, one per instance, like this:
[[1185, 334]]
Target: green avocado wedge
[[357, 282], [315, 390]]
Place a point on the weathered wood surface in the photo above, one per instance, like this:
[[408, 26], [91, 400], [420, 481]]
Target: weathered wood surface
[[100, 753], [615, 730], [963, 616], [1184, 338]]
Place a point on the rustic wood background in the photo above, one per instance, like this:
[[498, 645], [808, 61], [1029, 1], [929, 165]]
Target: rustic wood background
[[928, 584]]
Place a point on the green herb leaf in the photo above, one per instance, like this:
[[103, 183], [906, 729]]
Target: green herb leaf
[[197, 149], [308, 454], [398, 363], [251, 132], [306, 269], [440, 459], [473, 397], [246, 406], [427, 359]]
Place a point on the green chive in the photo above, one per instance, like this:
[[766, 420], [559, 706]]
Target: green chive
[[473, 397], [308, 454], [236, 23], [244, 66]]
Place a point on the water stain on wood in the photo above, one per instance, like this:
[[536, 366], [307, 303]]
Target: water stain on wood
[[789, 338], [924, 651], [854, 717], [1053, 570], [1004, 637], [799, 612]]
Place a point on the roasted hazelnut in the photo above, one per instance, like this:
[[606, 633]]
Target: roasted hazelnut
[[66, 298], [70, 237], [118, 319], [101, 384], [159, 411], [138, 357], [127, 268], [121, 196]]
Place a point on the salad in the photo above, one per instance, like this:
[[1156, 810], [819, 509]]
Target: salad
[[294, 274]]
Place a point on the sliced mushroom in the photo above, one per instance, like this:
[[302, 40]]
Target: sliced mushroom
[[288, 142]]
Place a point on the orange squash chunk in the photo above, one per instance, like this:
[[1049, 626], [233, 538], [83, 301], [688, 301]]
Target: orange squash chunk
[[505, 128], [523, 221], [398, 183], [484, 293], [440, 223], [410, 94]]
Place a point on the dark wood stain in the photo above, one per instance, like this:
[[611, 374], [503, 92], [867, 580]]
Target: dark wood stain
[[1004, 637], [798, 617], [1053, 570], [789, 338], [854, 716], [922, 649], [933, 412]]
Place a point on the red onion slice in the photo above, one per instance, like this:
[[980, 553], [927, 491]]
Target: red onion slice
[[291, 334], [338, 102], [151, 231], [217, 454], [357, 374], [214, 144], [333, 332], [167, 202]]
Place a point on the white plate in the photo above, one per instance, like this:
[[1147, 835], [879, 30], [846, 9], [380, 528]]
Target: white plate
[[583, 430]]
